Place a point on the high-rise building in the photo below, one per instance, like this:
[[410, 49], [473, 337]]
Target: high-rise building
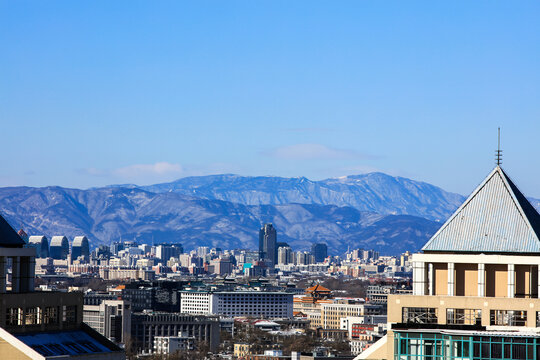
[[166, 251], [475, 284], [111, 318], [59, 248], [304, 258], [80, 248], [267, 243], [320, 251], [285, 256], [202, 251], [41, 244], [116, 247]]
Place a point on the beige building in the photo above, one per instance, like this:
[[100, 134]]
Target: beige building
[[241, 349], [475, 284], [331, 314], [126, 274]]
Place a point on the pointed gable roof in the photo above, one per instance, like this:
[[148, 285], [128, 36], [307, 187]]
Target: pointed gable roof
[[8, 236], [496, 218]]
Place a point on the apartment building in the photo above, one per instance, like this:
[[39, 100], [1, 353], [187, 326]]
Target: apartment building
[[475, 284]]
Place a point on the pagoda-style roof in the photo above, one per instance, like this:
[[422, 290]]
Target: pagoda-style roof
[[318, 289], [496, 218], [8, 236]]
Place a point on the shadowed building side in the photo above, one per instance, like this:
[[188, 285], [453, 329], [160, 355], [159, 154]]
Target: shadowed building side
[[59, 248], [80, 247], [41, 244], [41, 325]]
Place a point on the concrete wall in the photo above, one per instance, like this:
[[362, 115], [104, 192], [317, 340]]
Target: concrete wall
[[441, 278], [10, 352]]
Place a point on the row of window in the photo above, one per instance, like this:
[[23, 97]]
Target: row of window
[[418, 315], [417, 346], [38, 315]]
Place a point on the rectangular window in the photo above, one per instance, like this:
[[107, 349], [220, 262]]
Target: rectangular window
[[464, 316], [13, 316], [50, 315], [70, 314], [32, 316], [419, 315], [508, 317]]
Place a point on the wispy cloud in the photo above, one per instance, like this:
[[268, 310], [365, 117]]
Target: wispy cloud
[[312, 152]]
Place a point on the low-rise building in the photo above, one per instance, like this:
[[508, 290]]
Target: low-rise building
[[145, 326], [265, 304], [172, 344]]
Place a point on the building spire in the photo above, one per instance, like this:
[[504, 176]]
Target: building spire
[[498, 153]]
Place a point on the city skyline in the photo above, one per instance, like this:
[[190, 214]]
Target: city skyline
[[108, 93]]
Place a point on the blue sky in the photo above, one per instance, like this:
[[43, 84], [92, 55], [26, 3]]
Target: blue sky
[[101, 92]]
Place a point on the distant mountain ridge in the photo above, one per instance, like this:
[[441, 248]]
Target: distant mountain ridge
[[109, 214], [373, 192], [390, 214]]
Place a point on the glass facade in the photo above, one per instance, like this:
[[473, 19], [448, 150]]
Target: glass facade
[[416, 346]]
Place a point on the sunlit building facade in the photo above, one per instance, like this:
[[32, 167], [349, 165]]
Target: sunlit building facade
[[475, 284]]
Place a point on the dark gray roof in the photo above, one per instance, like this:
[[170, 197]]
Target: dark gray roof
[[8, 236], [496, 218]]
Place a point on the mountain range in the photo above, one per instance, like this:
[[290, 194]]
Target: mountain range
[[386, 213], [373, 192]]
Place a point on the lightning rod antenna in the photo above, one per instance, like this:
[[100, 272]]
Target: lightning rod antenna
[[498, 153]]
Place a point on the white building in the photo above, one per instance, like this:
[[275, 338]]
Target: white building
[[172, 344], [238, 303], [111, 318]]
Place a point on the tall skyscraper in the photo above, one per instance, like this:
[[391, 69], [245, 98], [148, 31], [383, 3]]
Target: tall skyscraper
[[267, 243], [320, 251]]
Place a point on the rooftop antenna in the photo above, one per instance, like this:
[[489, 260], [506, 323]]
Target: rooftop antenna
[[498, 153]]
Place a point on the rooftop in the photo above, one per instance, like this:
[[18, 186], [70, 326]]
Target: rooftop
[[8, 236], [496, 218]]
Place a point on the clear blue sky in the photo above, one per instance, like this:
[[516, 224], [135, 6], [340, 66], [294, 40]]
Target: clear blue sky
[[101, 92]]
